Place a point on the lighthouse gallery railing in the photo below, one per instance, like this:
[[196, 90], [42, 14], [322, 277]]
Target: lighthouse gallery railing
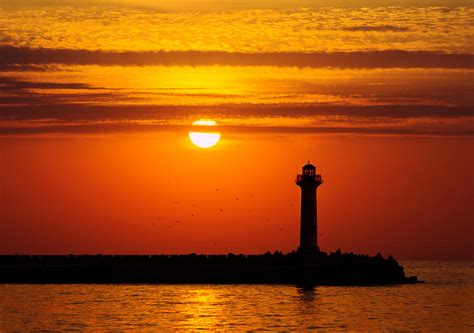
[[299, 178]]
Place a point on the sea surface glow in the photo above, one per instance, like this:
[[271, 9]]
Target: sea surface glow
[[443, 303]]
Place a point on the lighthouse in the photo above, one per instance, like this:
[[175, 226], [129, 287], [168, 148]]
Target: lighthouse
[[308, 181]]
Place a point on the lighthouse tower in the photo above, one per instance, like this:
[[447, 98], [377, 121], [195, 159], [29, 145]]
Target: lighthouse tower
[[309, 182]]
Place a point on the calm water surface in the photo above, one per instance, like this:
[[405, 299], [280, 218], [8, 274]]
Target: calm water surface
[[444, 303]]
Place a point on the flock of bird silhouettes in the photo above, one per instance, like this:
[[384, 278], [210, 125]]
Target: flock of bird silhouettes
[[170, 226]]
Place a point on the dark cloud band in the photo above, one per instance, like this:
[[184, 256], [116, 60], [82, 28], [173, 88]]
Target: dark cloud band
[[16, 56], [84, 112], [124, 128], [380, 28]]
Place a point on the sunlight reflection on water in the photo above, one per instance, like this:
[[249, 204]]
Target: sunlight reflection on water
[[444, 302]]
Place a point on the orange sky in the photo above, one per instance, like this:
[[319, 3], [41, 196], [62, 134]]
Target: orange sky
[[411, 197], [96, 101]]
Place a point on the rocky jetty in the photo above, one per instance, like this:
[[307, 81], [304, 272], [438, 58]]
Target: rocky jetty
[[293, 268]]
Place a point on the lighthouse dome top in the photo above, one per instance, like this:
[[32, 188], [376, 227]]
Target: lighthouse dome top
[[309, 170], [309, 166], [308, 176]]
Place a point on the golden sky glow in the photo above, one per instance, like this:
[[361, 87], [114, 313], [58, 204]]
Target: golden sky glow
[[97, 103]]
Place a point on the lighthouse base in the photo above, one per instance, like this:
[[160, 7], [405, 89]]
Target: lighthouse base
[[308, 250]]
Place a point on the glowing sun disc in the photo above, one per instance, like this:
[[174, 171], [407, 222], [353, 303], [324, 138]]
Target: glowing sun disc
[[204, 139]]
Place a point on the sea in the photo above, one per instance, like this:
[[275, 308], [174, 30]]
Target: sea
[[445, 302]]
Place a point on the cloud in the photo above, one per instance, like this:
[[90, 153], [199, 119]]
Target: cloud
[[10, 55], [15, 91], [380, 28], [15, 84], [120, 128], [386, 120], [288, 28], [84, 112], [33, 107], [29, 68]]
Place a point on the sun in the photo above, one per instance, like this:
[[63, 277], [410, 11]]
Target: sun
[[204, 139]]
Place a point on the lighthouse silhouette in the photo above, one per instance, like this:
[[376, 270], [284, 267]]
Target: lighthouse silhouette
[[308, 181]]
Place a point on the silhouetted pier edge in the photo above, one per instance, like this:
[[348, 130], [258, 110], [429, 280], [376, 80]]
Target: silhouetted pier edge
[[336, 268]]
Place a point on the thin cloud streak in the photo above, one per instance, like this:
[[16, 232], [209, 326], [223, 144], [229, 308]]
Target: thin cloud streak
[[138, 128], [15, 84], [10, 55], [82, 112], [381, 28]]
